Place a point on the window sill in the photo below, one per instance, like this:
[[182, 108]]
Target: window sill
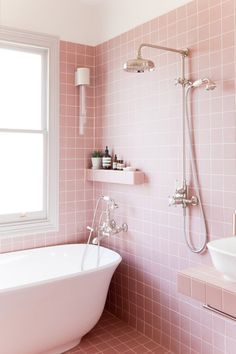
[[26, 228]]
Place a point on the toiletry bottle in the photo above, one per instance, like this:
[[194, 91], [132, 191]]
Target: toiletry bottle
[[122, 165], [114, 164], [106, 160], [118, 165]]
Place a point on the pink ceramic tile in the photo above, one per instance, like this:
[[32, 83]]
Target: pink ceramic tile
[[230, 345], [214, 296], [198, 290], [184, 284], [229, 303]]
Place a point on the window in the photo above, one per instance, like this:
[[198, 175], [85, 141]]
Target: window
[[28, 132]]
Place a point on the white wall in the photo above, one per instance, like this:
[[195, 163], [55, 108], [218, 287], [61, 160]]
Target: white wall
[[118, 16], [69, 19], [83, 21]]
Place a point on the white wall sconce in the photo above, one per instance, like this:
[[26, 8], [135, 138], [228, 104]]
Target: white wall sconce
[[82, 78]]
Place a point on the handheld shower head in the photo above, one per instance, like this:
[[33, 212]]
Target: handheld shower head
[[110, 202], [209, 84], [106, 198], [197, 83]]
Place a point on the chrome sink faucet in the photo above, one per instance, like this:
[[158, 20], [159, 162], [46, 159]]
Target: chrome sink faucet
[[180, 197]]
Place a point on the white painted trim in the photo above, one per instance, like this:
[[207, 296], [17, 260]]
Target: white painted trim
[[48, 220], [14, 35], [25, 131]]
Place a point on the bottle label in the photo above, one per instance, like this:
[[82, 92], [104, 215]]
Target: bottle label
[[106, 162]]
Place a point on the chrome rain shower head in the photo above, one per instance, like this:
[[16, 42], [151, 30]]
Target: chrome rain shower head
[[138, 65], [209, 84]]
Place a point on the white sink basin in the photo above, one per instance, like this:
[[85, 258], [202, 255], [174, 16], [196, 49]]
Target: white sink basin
[[223, 255]]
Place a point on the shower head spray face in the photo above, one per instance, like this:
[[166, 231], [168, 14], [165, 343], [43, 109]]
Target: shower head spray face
[[139, 65], [210, 86]]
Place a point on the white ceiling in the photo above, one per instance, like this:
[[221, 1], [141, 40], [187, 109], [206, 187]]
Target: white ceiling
[[82, 21]]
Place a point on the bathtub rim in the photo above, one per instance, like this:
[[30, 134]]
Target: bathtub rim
[[62, 277]]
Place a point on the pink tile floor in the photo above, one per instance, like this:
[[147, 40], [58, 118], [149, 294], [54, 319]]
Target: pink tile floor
[[111, 336]]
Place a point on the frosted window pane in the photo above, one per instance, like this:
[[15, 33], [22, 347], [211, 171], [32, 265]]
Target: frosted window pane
[[20, 89], [21, 177]]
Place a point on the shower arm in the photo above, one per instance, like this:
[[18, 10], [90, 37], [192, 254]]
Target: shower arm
[[183, 52]]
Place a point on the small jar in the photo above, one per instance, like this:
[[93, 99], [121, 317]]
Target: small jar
[[120, 165]]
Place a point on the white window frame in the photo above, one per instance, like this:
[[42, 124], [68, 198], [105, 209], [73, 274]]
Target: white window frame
[[48, 220]]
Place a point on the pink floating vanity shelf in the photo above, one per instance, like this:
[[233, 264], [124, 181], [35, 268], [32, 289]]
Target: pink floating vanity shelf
[[111, 176], [208, 286]]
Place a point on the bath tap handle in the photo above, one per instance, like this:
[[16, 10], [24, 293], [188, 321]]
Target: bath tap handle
[[171, 201], [113, 224], [124, 227], [117, 229]]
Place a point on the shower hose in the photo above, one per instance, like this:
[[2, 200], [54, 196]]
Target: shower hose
[[196, 184]]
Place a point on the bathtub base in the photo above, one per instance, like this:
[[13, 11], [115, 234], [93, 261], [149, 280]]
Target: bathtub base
[[63, 348]]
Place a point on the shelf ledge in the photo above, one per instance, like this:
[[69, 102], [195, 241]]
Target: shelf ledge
[[207, 285], [112, 176]]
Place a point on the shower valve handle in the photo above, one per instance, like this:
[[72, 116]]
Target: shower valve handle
[[181, 81], [194, 200], [175, 200], [171, 201]]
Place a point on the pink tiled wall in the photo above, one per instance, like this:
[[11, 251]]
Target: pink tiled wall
[[76, 195], [139, 117]]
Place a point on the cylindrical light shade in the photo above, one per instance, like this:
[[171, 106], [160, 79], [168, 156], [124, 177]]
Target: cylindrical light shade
[[82, 76]]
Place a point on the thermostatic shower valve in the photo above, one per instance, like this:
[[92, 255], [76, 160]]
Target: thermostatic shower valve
[[180, 197]]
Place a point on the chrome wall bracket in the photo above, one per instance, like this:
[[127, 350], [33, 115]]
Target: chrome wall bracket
[[182, 81]]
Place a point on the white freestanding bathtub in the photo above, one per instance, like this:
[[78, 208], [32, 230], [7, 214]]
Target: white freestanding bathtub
[[47, 303]]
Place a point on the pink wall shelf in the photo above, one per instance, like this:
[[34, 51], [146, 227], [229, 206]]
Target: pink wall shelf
[[111, 176], [207, 285]]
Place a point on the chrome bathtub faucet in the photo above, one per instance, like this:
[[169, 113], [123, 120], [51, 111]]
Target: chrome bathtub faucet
[[109, 226], [109, 230]]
